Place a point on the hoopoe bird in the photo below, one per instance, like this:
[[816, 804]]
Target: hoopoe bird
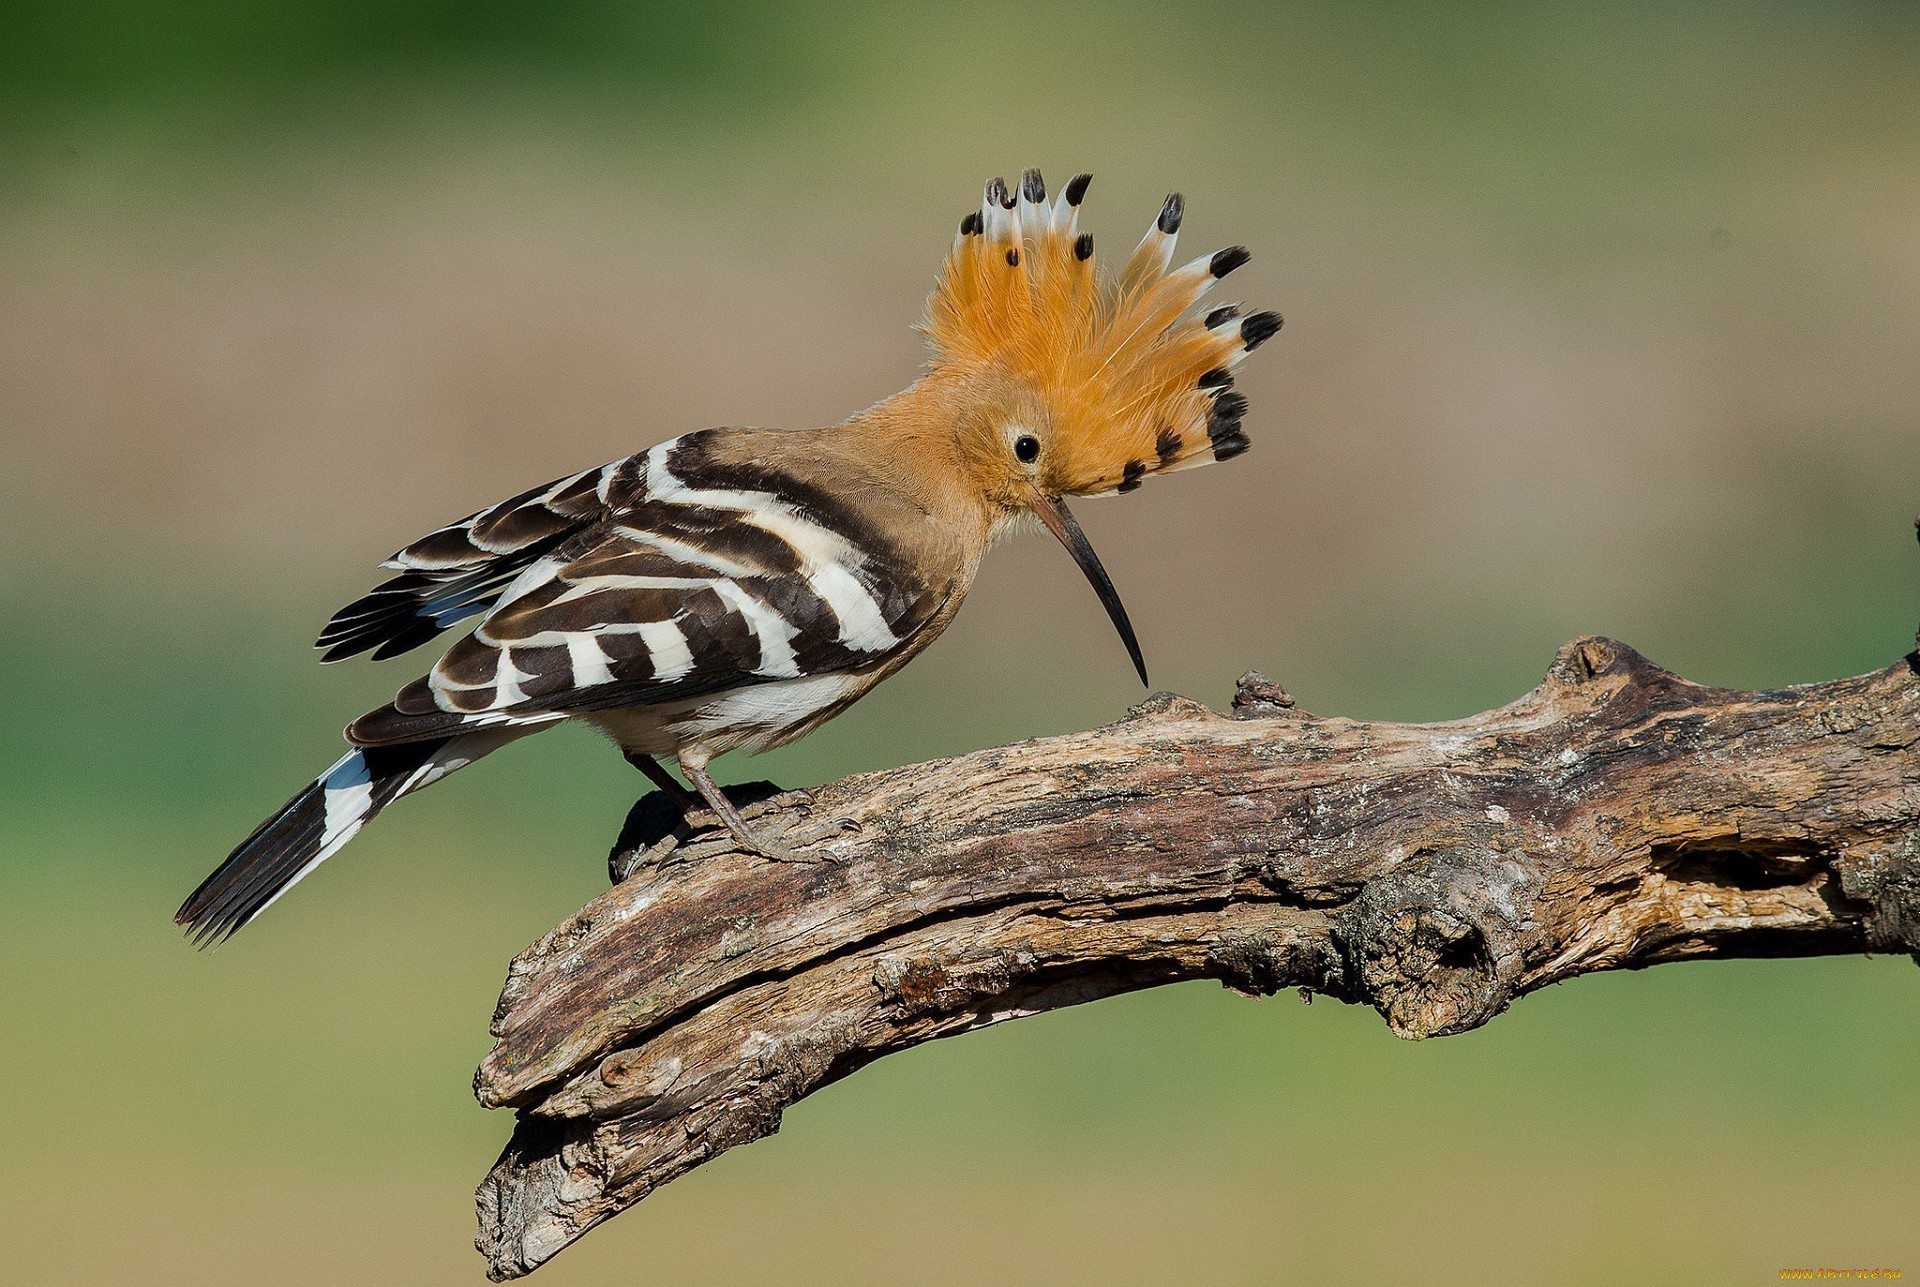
[[735, 588]]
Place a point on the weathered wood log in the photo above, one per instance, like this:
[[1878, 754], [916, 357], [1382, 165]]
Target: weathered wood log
[[1614, 817]]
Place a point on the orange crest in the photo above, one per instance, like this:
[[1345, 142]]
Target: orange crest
[[1132, 385]]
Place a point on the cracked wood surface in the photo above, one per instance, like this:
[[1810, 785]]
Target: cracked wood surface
[[1615, 816]]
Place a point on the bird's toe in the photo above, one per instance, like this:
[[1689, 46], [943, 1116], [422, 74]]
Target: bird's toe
[[775, 803]]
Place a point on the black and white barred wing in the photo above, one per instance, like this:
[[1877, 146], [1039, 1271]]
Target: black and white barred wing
[[460, 570], [707, 580]]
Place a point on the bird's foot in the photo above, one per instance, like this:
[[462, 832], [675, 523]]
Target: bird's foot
[[787, 810], [759, 799], [658, 826], [785, 848]]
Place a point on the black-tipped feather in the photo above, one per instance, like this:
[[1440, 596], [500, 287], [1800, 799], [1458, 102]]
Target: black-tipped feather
[[1225, 261], [1259, 328], [1229, 446], [1171, 213], [1223, 425], [215, 909], [1166, 445], [1231, 405], [280, 849], [400, 614], [267, 869]]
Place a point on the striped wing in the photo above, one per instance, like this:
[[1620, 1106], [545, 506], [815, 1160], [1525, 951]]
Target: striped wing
[[461, 570], [708, 577]]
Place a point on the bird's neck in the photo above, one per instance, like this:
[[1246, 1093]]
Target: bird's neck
[[914, 445]]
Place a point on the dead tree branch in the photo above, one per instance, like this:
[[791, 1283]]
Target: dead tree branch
[[1614, 817]]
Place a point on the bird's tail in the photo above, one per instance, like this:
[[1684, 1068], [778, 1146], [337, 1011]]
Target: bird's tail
[[311, 827]]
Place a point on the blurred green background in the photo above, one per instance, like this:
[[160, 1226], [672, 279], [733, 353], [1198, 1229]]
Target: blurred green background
[[1602, 317]]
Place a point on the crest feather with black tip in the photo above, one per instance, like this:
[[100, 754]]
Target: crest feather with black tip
[[1133, 384]]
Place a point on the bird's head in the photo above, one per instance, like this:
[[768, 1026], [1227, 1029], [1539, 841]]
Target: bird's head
[[1061, 380]]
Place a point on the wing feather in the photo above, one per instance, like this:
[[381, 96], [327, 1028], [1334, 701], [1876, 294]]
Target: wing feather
[[461, 570], [706, 577]]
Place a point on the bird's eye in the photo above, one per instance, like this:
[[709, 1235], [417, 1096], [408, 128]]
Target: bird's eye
[[1027, 448]]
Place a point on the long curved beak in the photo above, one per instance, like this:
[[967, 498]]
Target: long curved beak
[[1049, 510]]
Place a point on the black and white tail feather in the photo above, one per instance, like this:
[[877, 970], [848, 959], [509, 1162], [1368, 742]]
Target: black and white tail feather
[[311, 827], [451, 574]]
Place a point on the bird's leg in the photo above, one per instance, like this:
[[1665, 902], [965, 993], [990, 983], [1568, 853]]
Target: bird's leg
[[658, 775], [736, 825]]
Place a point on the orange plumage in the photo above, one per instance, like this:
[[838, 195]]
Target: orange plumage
[[1111, 373]]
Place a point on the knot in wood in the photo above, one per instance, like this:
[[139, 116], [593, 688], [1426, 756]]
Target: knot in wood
[[1888, 880], [1582, 660], [1254, 696], [1167, 706], [1436, 946]]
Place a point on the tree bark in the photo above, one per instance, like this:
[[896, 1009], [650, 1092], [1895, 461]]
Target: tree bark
[[1614, 817]]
